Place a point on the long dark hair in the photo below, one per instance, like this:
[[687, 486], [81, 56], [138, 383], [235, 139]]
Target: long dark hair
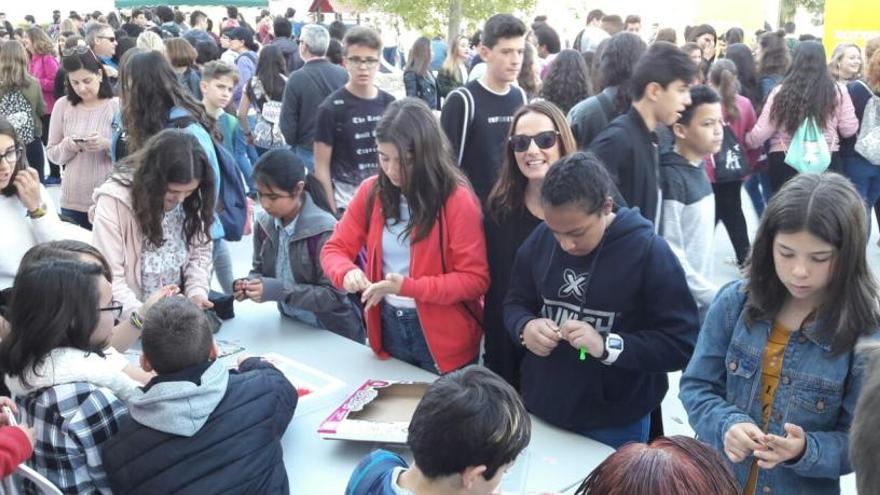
[[271, 68], [427, 171], [149, 89], [746, 73], [170, 157], [54, 304], [775, 58], [281, 168], [419, 60], [65, 249], [616, 64], [806, 91], [828, 207], [508, 194], [6, 129], [527, 79], [567, 81], [722, 75], [89, 62]]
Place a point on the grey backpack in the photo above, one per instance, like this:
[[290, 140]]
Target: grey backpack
[[868, 142]]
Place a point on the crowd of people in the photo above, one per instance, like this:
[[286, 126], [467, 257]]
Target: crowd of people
[[555, 207]]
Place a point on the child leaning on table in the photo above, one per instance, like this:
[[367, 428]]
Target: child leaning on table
[[466, 432], [288, 237], [198, 426], [775, 375]]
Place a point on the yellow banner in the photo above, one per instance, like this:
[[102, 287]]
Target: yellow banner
[[850, 21]]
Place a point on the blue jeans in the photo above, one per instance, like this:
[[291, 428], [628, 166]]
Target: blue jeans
[[81, 218], [866, 177], [403, 338], [758, 187], [617, 436], [308, 157]]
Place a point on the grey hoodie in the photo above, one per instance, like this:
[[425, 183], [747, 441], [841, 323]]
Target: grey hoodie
[[181, 407]]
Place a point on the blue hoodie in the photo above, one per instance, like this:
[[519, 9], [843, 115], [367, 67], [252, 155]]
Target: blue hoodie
[[637, 290]]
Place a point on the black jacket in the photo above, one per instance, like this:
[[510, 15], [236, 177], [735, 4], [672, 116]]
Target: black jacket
[[305, 90], [632, 285], [424, 88], [204, 430], [629, 151]]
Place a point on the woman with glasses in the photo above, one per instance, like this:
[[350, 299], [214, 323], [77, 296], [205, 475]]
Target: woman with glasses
[[80, 132], [538, 137], [61, 320], [152, 220], [421, 226], [27, 212], [289, 233]]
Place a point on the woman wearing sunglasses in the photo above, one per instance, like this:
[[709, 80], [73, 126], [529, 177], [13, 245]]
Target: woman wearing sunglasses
[[80, 130], [61, 319], [27, 213], [422, 229], [538, 137]]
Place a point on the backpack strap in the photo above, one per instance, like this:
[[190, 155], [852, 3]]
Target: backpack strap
[[469, 110]]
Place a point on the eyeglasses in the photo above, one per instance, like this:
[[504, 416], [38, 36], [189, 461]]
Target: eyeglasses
[[545, 140], [362, 62], [11, 155], [111, 39], [115, 307]]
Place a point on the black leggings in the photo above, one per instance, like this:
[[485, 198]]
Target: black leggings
[[728, 209], [35, 157], [780, 172], [54, 170]]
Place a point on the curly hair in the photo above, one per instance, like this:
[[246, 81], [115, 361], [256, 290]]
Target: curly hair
[[775, 58], [567, 81], [170, 157], [616, 63], [149, 89], [806, 91]]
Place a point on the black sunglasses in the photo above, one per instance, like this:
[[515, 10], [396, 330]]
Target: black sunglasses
[[521, 142]]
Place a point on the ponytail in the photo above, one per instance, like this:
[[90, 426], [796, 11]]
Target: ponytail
[[316, 191], [722, 75]]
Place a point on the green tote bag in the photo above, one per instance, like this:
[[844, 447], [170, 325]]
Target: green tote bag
[[808, 151]]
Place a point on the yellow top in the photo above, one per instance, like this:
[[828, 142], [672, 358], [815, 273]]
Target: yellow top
[[770, 372]]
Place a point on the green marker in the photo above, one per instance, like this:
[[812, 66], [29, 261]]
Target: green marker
[[583, 354]]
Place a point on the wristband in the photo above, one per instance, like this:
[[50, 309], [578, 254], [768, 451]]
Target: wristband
[[136, 320]]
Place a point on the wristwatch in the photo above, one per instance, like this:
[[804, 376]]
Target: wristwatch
[[38, 212], [613, 348]]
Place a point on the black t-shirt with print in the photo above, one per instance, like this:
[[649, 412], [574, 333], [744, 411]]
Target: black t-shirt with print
[[354, 142]]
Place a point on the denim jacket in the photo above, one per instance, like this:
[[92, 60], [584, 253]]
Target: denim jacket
[[817, 391]]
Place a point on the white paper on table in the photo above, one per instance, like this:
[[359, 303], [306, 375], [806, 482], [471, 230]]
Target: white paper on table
[[303, 376]]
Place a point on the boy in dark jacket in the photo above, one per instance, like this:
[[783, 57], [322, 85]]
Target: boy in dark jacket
[[198, 427], [602, 306], [628, 146]]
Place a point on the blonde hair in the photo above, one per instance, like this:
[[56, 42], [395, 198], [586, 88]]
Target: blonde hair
[[453, 58], [67, 25], [149, 40], [837, 56], [13, 66], [40, 42]]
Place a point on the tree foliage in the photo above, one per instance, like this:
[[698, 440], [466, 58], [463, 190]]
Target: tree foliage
[[433, 16]]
